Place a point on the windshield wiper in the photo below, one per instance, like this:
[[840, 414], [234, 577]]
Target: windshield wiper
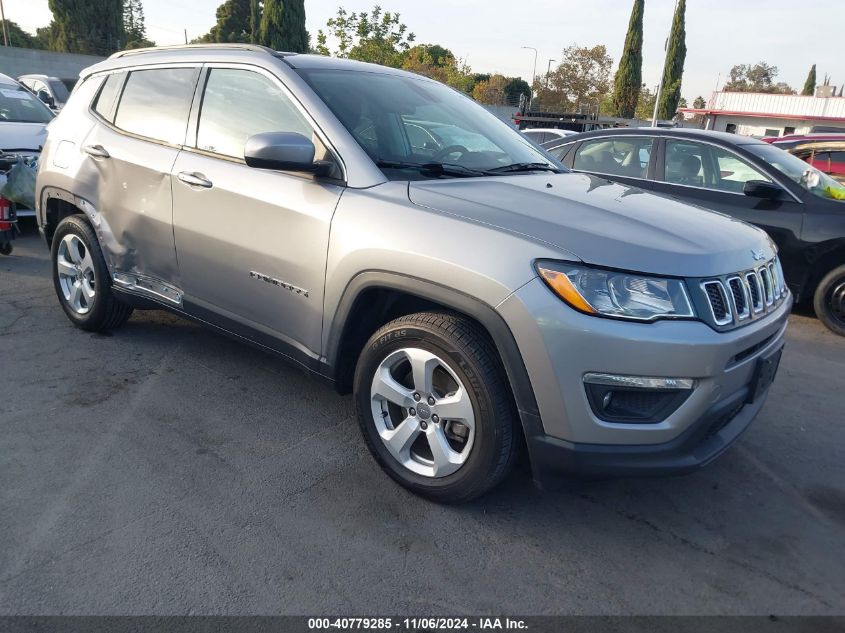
[[517, 167], [438, 169]]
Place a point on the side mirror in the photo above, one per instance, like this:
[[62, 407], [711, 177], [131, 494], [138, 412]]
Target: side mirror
[[46, 98], [762, 189], [285, 151]]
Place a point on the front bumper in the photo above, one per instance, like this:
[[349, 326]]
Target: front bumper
[[559, 346]]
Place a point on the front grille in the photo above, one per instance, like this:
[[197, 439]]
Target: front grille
[[747, 295]]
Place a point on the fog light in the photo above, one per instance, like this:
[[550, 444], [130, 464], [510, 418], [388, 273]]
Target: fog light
[[635, 399]]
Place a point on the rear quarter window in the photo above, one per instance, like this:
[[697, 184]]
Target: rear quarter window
[[106, 99]]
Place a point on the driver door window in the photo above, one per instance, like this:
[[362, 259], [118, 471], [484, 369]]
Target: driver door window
[[707, 166], [240, 103]]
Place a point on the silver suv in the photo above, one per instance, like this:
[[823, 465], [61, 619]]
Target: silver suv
[[389, 235]]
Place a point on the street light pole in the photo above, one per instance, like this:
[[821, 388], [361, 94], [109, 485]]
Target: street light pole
[[548, 71], [660, 85], [5, 29], [533, 74]]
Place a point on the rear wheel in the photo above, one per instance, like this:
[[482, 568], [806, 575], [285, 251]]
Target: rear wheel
[[435, 407], [829, 300], [6, 248], [82, 280]]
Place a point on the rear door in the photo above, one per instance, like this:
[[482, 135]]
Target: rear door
[[143, 118], [252, 243], [714, 177]]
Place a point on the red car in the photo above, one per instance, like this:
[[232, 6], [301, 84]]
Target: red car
[[825, 152]]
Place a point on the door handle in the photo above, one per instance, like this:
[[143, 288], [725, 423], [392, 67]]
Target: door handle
[[96, 151], [194, 179]]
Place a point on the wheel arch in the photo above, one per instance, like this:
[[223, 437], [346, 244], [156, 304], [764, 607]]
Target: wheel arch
[[823, 258], [374, 298]]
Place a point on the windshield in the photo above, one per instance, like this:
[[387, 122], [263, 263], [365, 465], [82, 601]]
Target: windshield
[[18, 105], [408, 126], [60, 92], [799, 172]]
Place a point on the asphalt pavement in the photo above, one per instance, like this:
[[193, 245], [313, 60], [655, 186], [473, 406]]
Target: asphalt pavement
[[165, 469]]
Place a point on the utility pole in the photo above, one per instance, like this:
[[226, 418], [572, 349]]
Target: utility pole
[[533, 74], [5, 26], [548, 72], [186, 34], [660, 85]]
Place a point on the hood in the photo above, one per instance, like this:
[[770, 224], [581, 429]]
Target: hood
[[28, 137], [602, 223]]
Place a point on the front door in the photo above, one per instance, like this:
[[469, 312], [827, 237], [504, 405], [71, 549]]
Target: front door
[[252, 243]]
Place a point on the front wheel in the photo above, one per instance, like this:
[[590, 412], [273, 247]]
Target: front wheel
[[829, 300], [435, 407], [82, 280]]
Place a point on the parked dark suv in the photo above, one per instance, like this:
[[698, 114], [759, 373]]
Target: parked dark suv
[[800, 207]]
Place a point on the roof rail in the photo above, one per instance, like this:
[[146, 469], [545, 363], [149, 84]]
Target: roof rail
[[154, 49]]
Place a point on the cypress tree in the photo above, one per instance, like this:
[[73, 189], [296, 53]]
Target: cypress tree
[[94, 27], [628, 80], [810, 84], [254, 21], [673, 68], [283, 25]]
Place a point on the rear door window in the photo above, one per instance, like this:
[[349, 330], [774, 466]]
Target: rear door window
[[619, 156], [155, 103]]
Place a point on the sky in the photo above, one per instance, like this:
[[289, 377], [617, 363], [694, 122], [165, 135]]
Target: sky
[[489, 34]]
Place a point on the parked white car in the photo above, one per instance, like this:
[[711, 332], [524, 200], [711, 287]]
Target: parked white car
[[51, 91], [23, 125], [542, 135]]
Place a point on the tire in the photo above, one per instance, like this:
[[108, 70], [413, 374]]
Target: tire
[[468, 388], [829, 300], [6, 248], [86, 298]]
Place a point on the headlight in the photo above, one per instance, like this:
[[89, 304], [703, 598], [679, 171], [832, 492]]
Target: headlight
[[615, 294]]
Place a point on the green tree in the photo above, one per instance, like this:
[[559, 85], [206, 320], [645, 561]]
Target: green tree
[[810, 85], [134, 28], [17, 36], [93, 27], [491, 91], [283, 26], [673, 67], [254, 20], [234, 23], [581, 80], [699, 103], [757, 78], [378, 37], [645, 104], [626, 84]]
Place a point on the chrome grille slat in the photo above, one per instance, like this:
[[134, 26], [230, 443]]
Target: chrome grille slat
[[768, 292], [755, 291], [739, 297], [720, 304]]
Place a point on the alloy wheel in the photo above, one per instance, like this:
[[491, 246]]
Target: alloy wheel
[[76, 274], [422, 412]]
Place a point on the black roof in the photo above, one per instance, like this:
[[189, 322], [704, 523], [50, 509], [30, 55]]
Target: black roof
[[675, 132]]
